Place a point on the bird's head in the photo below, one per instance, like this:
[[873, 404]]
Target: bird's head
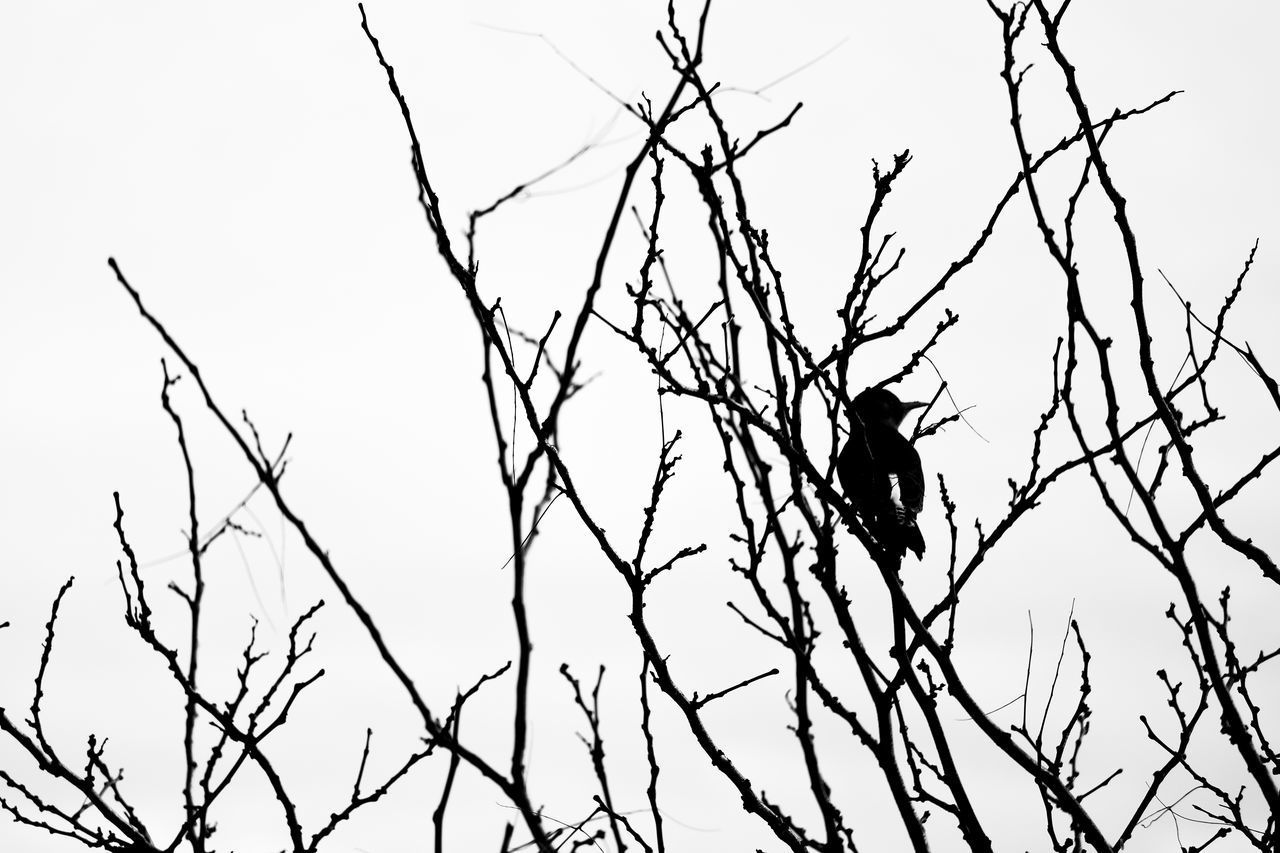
[[877, 405]]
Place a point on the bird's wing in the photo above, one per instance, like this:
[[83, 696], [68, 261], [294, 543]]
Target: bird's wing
[[857, 469]]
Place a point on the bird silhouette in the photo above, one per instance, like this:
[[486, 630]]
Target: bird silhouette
[[880, 472]]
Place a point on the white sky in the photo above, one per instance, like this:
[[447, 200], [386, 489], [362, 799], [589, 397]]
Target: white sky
[[249, 170]]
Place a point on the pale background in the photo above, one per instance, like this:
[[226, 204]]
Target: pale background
[[249, 170]]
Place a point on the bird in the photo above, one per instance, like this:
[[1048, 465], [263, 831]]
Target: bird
[[881, 474]]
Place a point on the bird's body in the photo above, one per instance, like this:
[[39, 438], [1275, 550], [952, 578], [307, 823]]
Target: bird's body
[[881, 474]]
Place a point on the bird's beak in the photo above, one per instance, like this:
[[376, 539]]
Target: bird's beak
[[906, 407]]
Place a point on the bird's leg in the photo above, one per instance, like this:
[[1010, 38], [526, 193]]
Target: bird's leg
[[895, 498]]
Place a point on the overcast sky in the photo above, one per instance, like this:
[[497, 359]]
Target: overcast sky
[[247, 167]]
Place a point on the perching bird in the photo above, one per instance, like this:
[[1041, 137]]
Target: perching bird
[[880, 471]]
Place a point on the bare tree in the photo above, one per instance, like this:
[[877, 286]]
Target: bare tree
[[782, 401]]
